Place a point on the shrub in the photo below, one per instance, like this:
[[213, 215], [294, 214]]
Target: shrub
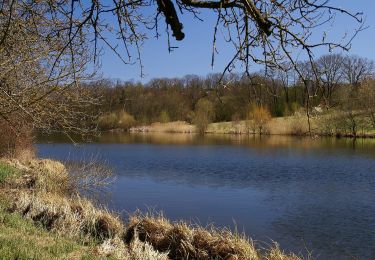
[[89, 176], [16, 138], [204, 113], [190, 117], [125, 120], [119, 119], [259, 117], [164, 117], [107, 121], [367, 96]]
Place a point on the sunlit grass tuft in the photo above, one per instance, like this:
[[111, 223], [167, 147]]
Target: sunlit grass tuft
[[183, 241]]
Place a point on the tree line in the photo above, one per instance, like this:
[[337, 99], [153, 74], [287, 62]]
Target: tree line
[[50, 49], [334, 82]]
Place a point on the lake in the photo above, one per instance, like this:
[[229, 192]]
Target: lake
[[310, 195]]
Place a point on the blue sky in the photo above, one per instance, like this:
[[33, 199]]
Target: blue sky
[[193, 55]]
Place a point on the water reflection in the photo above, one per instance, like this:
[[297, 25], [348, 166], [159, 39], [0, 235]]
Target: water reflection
[[221, 139], [298, 191]]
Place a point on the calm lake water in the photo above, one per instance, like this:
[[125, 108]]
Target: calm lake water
[[308, 195]]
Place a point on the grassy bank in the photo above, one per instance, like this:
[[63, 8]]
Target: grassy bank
[[42, 218], [325, 124], [21, 239]]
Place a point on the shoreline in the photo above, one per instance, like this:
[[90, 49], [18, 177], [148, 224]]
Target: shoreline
[[274, 128], [38, 192]]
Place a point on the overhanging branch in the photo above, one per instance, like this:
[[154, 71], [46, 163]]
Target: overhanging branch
[[171, 18]]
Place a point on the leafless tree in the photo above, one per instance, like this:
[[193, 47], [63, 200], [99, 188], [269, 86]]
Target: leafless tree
[[356, 69], [367, 97], [41, 68], [330, 68], [285, 77]]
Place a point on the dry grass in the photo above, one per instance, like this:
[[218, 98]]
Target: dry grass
[[171, 127], [81, 220], [275, 253], [227, 128], [183, 241], [75, 218], [328, 123], [294, 125], [143, 250], [41, 175]]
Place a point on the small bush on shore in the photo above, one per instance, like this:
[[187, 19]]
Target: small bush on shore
[[16, 139], [116, 120], [258, 117], [89, 175], [203, 114]]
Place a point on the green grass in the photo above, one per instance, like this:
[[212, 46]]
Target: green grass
[[21, 239], [7, 171]]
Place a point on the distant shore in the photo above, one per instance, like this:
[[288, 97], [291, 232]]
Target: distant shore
[[291, 126]]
